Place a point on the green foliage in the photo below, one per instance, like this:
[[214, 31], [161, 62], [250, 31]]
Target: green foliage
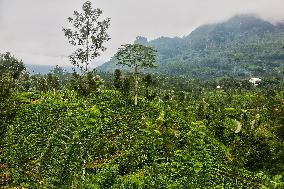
[[88, 34], [60, 74], [85, 83], [11, 70], [10, 65], [24, 82], [219, 50], [56, 79], [148, 81], [118, 82], [73, 132], [39, 83], [7, 85], [126, 86], [174, 144], [136, 56]]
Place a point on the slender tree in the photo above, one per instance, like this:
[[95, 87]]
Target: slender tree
[[136, 56], [148, 81], [88, 34], [117, 79], [126, 86]]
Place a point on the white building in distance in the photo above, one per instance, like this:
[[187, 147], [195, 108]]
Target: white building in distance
[[255, 81]]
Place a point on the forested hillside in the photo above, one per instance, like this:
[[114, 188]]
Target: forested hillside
[[192, 121], [64, 130], [206, 138], [244, 46]]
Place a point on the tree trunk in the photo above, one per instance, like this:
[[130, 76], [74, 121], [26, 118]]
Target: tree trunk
[[87, 50], [84, 174], [136, 86]]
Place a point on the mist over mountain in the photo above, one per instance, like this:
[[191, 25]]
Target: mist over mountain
[[244, 45], [44, 69]]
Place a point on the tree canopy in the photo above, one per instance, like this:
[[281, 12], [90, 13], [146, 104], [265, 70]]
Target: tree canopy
[[136, 55], [88, 34], [10, 65]]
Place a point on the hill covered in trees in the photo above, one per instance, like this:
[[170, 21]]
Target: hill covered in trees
[[96, 130], [244, 45]]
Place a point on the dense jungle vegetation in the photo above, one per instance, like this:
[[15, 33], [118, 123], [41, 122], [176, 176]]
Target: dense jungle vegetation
[[242, 46], [183, 133], [130, 128]]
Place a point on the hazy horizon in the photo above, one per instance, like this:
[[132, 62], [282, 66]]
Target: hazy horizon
[[32, 30]]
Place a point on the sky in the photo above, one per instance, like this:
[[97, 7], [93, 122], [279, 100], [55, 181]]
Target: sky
[[32, 29]]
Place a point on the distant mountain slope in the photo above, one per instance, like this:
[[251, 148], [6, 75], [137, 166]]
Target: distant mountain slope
[[244, 45], [43, 69]]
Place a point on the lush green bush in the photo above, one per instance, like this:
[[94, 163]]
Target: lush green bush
[[61, 140]]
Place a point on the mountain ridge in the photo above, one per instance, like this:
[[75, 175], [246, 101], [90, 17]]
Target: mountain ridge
[[244, 45]]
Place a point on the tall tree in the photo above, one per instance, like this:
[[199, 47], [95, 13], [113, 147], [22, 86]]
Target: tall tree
[[136, 56], [10, 65], [148, 81], [88, 33], [117, 79], [10, 71]]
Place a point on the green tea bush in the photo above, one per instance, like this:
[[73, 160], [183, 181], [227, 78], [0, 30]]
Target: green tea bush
[[102, 140]]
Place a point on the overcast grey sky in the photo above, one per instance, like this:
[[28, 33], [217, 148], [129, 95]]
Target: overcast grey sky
[[32, 29]]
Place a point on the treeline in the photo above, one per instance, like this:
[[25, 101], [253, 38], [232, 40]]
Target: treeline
[[133, 129], [242, 46]]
